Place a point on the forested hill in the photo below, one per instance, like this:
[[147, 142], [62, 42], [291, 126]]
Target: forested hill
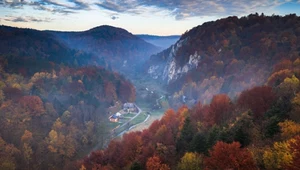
[[53, 101], [226, 56], [259, 129], [115, 45], [240, 78]]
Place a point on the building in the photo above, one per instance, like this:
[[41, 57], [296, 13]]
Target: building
[[129, 107], [114, 118]]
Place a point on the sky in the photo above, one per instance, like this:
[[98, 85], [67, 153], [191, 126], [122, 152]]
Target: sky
[[156, 17]]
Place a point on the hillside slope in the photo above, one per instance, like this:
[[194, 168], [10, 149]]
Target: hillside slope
[[115, 45], [54, 101], [161, 41], [226, 56]]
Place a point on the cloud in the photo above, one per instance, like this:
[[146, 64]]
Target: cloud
[[26, 19], [179, 9], [182, 9], [54, 6]]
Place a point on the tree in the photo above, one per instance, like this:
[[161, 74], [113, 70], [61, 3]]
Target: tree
[[198, 144], [32, 105], [229, 156], [190, 161], [220, 108], [186, 135], [290, 86], [289, 129], [154, 163], [278, 157], [258, 99], [295, 148], [294, 114], [2, 97]]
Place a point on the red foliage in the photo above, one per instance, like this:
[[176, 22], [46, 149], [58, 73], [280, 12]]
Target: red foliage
[[197, 113], [284, 64], [32, 105], [12, 93], [131, 146], [220, 108], [154, 163], [126, 92], [95, 159], [258, 99], [229, 156]]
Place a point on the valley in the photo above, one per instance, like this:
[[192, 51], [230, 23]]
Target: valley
[[108, 99]]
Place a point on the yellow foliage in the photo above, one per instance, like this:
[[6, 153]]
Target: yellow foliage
[[296, 100], [297, 62], [2, 97], [279, 156], [53, 136], [289, 129], [40, 75], [17, 86], [190, 161]]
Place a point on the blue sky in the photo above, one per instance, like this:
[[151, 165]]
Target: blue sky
[[160, 17]]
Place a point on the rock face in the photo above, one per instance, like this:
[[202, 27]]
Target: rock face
[[170, 70], [226, 56]]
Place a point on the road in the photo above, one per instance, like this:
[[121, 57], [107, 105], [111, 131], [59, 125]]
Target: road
[[126, 123]]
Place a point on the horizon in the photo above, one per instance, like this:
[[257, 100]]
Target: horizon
[[165, 18]]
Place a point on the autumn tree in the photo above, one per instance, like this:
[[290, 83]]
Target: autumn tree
[[229, 156], [295, 148], [258, 99], [32, 105], [294, 114], [154, 163], [220, 108], [278, 156], [190, 161], [289, 87], [289, 129], [278, 77]]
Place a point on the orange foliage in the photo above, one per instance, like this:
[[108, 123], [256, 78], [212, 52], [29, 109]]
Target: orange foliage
[[229, 156], [295, 149], [154, 163], [32, 105], [284, 64], [278, 77]]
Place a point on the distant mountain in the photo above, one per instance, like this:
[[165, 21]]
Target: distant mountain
[[27, 48], [226, 56], [115, 45], [161, 41]]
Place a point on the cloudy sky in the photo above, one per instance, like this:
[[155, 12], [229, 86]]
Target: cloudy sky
[[160, 17]]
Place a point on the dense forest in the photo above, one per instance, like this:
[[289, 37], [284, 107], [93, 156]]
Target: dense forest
[[228, 56], [258, 130], [53, 110], [233, 87], [116, 46]]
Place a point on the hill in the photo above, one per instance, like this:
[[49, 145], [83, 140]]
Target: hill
[[54, 101], [115, 45], [225, 56], [160, 41], [229, 128]]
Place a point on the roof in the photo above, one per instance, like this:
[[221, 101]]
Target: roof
[[128, 105], [114, 117]]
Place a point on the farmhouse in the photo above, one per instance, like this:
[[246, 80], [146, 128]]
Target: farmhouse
[[129, 107], [114, 118]]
